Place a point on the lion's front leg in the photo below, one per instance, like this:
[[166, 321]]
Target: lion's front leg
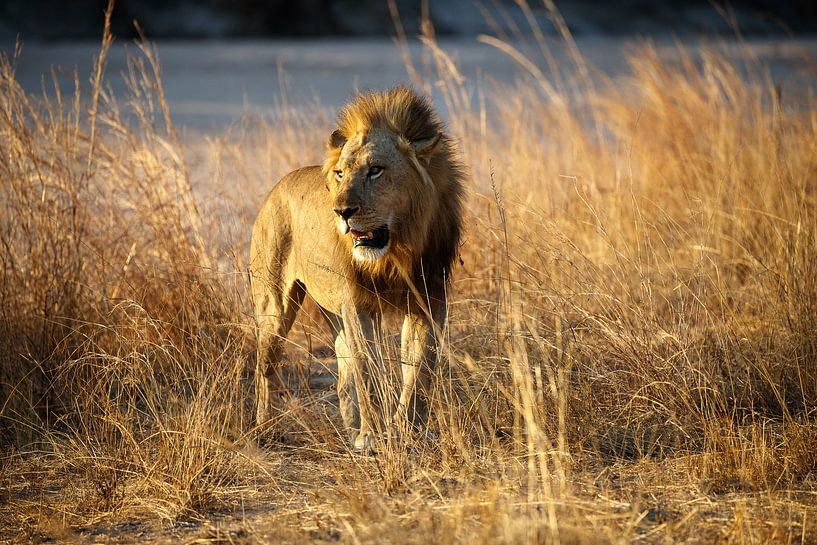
[[347, 394], [356, 350], [419, 346]]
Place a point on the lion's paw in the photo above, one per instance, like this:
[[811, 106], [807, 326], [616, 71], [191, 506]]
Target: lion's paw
[[364, 443]]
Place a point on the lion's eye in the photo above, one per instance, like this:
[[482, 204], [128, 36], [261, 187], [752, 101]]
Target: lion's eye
[[338, 174], [374, 172]]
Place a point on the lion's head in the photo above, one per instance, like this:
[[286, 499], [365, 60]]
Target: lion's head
[[392, 177]]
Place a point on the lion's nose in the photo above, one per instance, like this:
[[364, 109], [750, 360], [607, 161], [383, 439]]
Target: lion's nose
[[346, 213]]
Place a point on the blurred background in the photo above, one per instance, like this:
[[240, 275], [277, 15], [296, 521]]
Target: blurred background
[[82, 19], [225, 60]]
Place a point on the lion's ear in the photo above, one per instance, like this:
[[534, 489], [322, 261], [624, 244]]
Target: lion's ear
[[426, 148], [336, 140]]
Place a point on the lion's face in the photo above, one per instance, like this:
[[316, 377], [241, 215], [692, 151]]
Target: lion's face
[[374, 186]]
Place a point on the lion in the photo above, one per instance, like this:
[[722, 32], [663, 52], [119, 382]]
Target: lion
[[375, 229]]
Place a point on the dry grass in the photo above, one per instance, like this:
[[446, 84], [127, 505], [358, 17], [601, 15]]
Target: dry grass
[[631, 352]]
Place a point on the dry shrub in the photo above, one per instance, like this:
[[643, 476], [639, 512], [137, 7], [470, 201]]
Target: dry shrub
[[125, 332], [652, 250]]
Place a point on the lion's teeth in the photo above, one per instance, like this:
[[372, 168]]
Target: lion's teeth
[[359, 235]]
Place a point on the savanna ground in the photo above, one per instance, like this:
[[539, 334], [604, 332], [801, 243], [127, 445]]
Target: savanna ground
[[631, 353]]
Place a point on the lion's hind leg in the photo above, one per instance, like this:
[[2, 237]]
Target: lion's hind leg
[[275, 312]]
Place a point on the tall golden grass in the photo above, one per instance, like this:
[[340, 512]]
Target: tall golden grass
[[631, 353]]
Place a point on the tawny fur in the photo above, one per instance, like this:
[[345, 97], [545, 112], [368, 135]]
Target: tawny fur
[[299, 244]]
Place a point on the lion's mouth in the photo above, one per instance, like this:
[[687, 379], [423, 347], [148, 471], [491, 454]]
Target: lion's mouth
[[376, 238]]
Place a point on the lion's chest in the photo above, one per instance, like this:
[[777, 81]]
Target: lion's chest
[[332, 292]]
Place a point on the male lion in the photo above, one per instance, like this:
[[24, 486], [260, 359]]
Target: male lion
[[375, 229]]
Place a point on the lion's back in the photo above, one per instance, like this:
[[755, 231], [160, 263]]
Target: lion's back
[[281, 212]]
